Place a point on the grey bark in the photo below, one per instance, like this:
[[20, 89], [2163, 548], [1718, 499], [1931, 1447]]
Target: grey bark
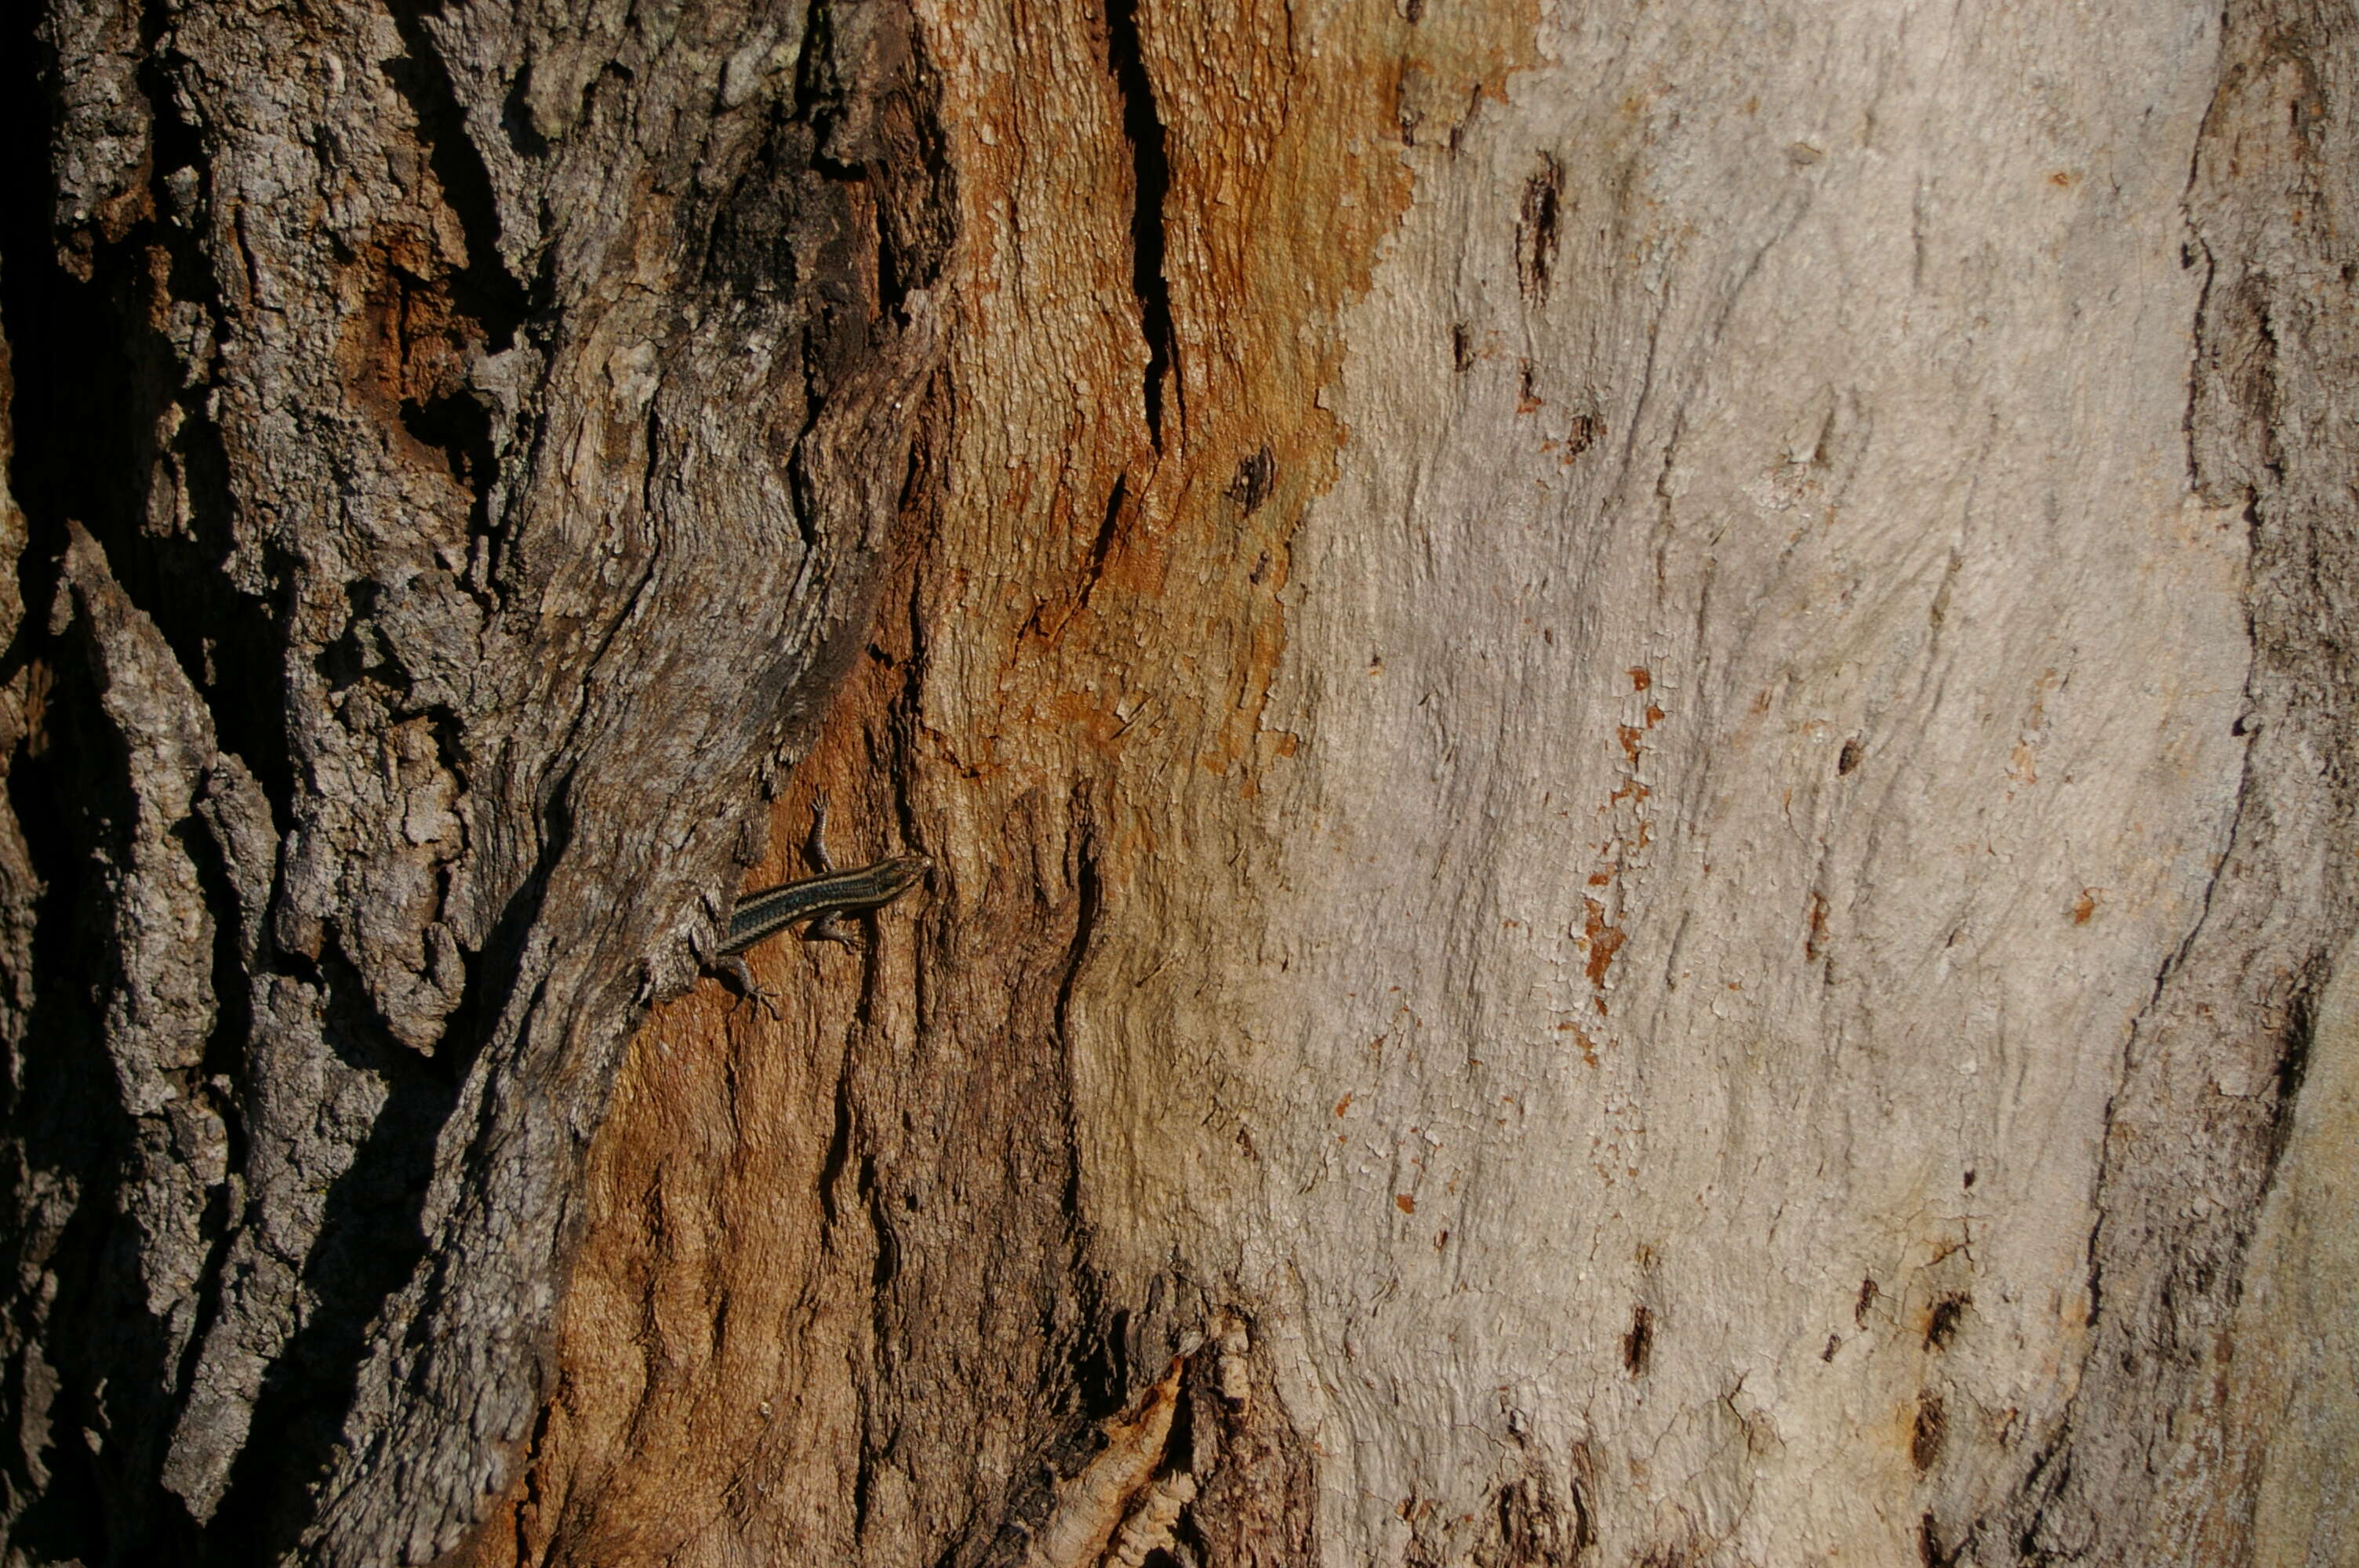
[[461, 447], [2205, 1112]]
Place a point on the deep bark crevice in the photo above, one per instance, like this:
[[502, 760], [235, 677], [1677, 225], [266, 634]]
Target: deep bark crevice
[[84, 448], [1141, 124], [368, 1246], [483, 289]]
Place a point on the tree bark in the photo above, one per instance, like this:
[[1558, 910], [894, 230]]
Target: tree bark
[[461, 448], [1634, 724]]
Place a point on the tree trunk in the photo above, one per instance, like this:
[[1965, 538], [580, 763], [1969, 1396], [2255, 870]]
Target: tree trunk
[[1634, 724]]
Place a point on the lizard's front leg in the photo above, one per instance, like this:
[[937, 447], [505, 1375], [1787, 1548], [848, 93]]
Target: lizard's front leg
[[829, 926]]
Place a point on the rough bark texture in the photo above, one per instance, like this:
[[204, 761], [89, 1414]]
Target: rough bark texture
[[463, 450], [1636, 722]]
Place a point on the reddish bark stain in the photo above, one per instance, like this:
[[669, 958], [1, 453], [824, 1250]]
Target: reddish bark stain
[[1604, 941]]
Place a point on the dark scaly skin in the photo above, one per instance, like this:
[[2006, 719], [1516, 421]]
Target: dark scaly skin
[[820, 900]]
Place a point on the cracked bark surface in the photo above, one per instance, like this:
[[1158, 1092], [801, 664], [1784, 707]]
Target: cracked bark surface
[[462, 448], [1634, 721]]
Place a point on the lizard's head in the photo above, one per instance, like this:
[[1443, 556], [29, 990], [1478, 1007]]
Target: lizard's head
[[902, 873]]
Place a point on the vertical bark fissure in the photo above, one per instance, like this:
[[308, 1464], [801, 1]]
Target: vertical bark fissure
[[1099, 1377], [1150, 189], [483, 286]]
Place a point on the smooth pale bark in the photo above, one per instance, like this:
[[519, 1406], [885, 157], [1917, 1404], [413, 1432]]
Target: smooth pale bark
[[1635, 722]]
